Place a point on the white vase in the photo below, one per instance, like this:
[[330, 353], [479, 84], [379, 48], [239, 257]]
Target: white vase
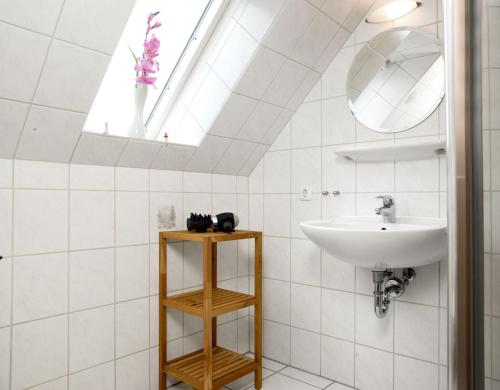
[[138, 129]]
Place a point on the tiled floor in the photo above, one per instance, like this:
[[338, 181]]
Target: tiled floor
[[277, 376]]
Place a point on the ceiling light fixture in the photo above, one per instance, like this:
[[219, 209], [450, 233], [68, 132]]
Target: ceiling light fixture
[[392, 11]]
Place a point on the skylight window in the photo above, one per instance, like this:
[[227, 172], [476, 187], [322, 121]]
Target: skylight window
[[185, 25]]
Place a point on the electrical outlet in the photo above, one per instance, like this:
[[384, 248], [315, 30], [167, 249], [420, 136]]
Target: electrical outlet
[[307, 193]]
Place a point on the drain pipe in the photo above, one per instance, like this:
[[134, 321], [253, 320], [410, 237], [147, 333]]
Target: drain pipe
[[387, 287], [380, 303]]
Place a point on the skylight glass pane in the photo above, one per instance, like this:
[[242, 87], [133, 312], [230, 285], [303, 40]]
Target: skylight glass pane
[[114, 106]]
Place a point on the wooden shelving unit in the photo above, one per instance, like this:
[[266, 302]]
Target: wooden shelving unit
[[211, 367]]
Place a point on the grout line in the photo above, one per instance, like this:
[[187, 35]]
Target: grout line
[[35, 90], [114, 277], [11, 341]]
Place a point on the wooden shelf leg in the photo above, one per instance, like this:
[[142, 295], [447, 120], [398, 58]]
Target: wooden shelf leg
[[162, 358], [207, 315], [258, 311], [214, 285]]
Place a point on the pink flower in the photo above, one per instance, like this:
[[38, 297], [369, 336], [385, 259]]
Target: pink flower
[[146, 80], [152, 15], [146, 64]]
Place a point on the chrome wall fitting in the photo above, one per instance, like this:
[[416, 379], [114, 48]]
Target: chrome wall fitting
[[387, 287]]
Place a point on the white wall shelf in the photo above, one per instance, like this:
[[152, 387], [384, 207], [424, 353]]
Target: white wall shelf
[[395, 152]]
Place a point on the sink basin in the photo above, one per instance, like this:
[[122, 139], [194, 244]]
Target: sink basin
[[369, 242]]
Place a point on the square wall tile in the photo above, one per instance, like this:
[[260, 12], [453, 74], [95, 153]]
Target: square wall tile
[[39, 351], [40, 17], [58, 384], [337, 314], [277, 301], [91, 177], [92, 216], [100, 377], [334, 78], [277, 172], [91, 337], [305, 310], [197, 182], [69, 68], [160, 180], [289, 26], [281, 91], [6, 222], [5, 291], [375, 177], [304, 211], [40, 175], [15, 43], [98, 149], [411, 374], [258, 16], [276, 262], [132, 372], [96, 26], [132, 326], [276, 215], [425, 288], [371, 330], [6, 173], [422, 175], [4, 357], [193, 265], [132, 219], [421, 204], [338, 173], [132, 179], [337, 122], [416, 331], [306, 348], [95, 268], [12, 116], [337, 360], [40, 221], [306, 170], [337, 274], [40, 286], [495, 348], [306, 125], [277, 341], [132, 272], [261, 71], [50, 134], [315, 39], [306, 262], [235, 56], [374, 369]]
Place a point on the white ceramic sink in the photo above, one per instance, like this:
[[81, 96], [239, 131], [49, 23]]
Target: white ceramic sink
[[369, 242]]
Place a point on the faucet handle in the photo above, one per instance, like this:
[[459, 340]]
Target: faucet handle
[[386, 199]]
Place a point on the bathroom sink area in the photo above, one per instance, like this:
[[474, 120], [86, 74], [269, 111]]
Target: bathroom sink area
[[370, 242]]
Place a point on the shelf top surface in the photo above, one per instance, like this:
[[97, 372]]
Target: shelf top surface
[[186, 235]]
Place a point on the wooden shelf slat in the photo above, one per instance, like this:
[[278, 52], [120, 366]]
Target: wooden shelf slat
[[185, 235], [227, 367], [223, 301]]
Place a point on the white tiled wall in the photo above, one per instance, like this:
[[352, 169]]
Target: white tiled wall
[[318, 312], [78, 278], [491, 159]]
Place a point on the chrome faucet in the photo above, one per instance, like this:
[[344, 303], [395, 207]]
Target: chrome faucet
[[388, 209]]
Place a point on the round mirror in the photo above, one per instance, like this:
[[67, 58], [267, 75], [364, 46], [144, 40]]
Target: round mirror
[[397, 80]]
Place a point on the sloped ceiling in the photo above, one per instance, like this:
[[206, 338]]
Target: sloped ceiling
[[263, 59]]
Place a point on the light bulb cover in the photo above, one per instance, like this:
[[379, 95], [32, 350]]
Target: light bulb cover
[[392, 11]]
